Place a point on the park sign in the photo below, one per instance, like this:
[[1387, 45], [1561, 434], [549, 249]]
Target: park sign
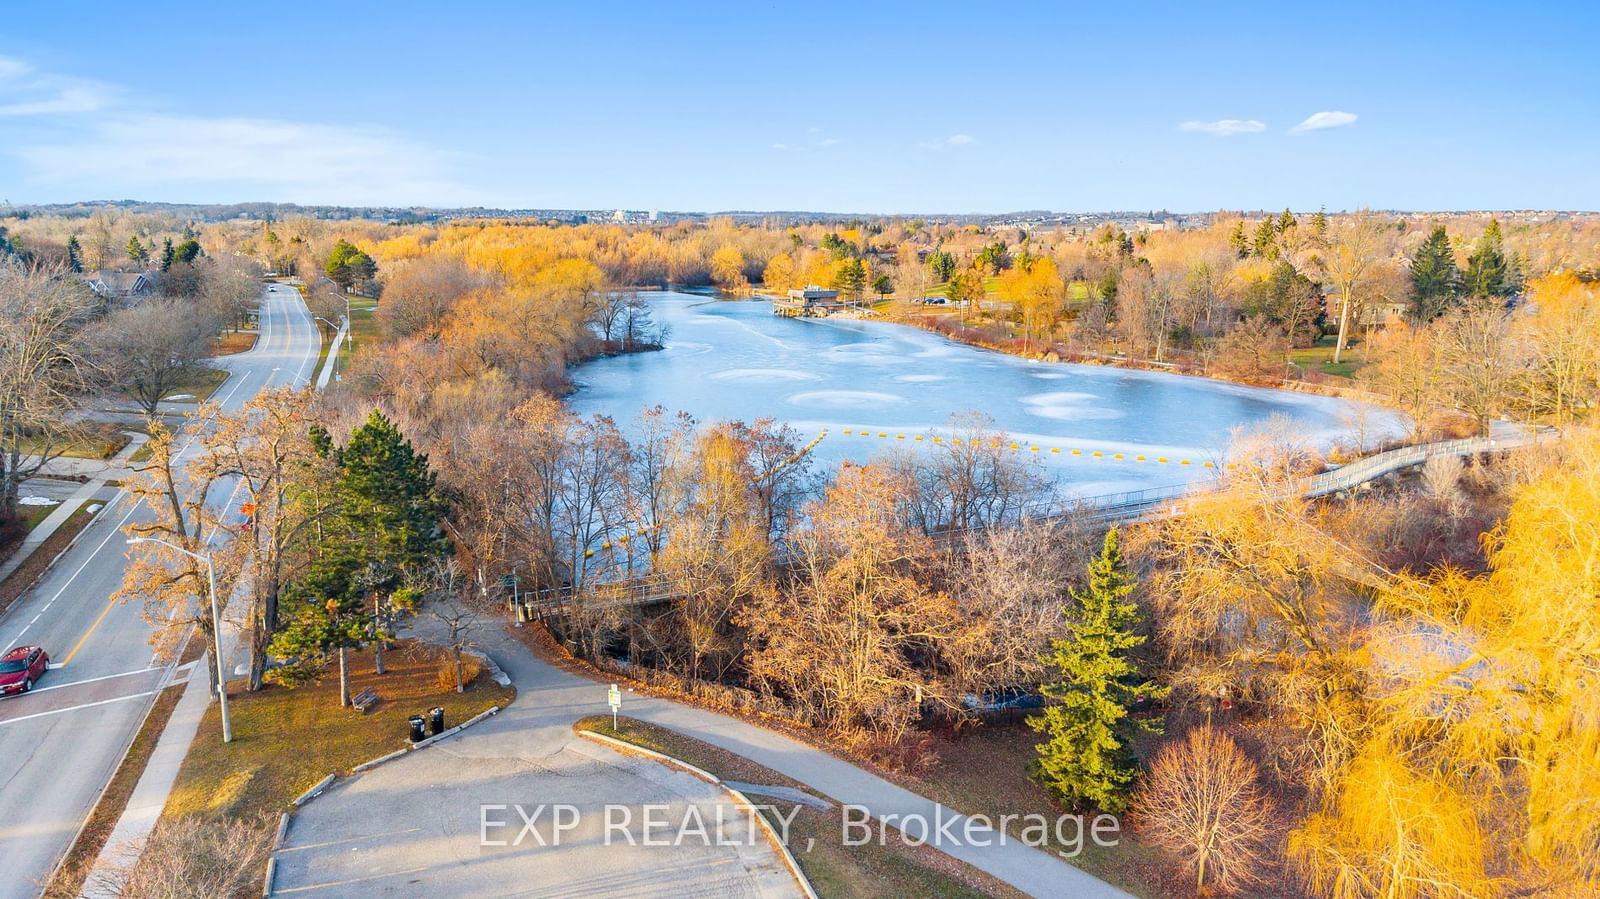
[[614, 697]]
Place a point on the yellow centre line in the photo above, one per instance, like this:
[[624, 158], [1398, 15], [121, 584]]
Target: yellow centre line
[[88, 633]]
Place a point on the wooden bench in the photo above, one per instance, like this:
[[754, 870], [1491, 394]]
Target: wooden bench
[[364, 701]]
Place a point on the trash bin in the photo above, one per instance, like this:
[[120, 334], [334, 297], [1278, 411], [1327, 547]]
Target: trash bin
[[436, 720], [418, 732]]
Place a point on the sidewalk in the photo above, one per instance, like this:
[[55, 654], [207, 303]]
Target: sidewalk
[[98, 471], [149, 796], [550, 699]]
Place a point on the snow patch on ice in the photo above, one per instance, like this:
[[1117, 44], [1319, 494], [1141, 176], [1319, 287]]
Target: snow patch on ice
[[763, 375], [844, 399], [1067, 405]]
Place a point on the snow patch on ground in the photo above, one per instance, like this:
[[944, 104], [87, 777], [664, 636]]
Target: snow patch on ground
[[37, 501]]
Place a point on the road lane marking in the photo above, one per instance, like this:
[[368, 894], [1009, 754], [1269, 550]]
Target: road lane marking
[[90, 680], [74, 708], [88, 633]]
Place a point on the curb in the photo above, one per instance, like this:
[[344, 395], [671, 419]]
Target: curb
[[738, 797], [373, 763], [314, 792], [272, 855], [368, 765], [320, 786]]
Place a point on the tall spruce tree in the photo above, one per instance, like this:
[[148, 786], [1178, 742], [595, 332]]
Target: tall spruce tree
[[74, 254], [167, 254], [1435, 280], [384, 525], [136, 251], [1086, 759], [1487, 268], [392, 509]]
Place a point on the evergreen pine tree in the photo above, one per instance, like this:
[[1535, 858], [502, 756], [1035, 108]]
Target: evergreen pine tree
[[384, 525], [1239, 240], [167, 254], [1486, 274], [136, 251], [1086, 760], [1266, 241], [1435, 280], [74, 254]]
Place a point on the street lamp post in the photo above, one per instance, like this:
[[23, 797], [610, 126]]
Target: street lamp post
[[216, 626]]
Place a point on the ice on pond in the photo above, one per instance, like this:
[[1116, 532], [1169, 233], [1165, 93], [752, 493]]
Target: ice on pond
[[1067, 405], [844, 399], [890, 384], [764, 375]]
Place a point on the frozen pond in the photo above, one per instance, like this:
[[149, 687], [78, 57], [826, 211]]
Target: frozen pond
[[736, 360]]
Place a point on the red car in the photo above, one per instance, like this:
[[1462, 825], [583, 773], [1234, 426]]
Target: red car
[[20, 667]]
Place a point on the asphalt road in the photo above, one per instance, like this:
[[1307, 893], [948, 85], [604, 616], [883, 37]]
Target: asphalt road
[[60, 744]]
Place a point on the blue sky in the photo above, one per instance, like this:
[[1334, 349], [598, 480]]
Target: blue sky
[[861, 107]]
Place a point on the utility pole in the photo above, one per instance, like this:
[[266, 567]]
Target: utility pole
[[216, 626]]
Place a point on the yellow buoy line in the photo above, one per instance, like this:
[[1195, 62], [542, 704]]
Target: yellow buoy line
[[871, 433]]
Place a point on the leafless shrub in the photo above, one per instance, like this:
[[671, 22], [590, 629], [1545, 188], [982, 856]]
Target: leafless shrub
[[194, 857], [1203, 802]]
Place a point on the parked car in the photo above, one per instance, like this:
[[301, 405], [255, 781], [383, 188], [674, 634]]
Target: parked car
[[20, 667]]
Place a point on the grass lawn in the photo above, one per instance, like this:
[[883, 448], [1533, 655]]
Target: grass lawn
[[199, 386], [230, 342], [363, 327], [32, 567], [99, 441], [1319, 358], [834, 870], [285, 740], [985, 771], [33, 516]]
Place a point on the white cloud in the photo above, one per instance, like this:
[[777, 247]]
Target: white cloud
[[126, 149], [954, 140], [1224, 127], [1320, 120], [25, 91], [829, 142], [780, 146], [256, 158]]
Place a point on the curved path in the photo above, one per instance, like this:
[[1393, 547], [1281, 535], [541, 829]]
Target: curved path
[[429, 802]]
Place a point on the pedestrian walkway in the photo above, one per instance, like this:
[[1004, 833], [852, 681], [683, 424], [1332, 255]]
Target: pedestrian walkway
[[149, 795], [550, 699], [98, 471]]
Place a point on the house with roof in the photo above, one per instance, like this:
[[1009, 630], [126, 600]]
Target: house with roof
[[121, 285]]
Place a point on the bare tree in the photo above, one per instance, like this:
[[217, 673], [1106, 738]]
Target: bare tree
[[1349, 260], [1202, 801], [43, 369], [454, 603], [173, 584], [418, 294], [971, 479], [151, 348]]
